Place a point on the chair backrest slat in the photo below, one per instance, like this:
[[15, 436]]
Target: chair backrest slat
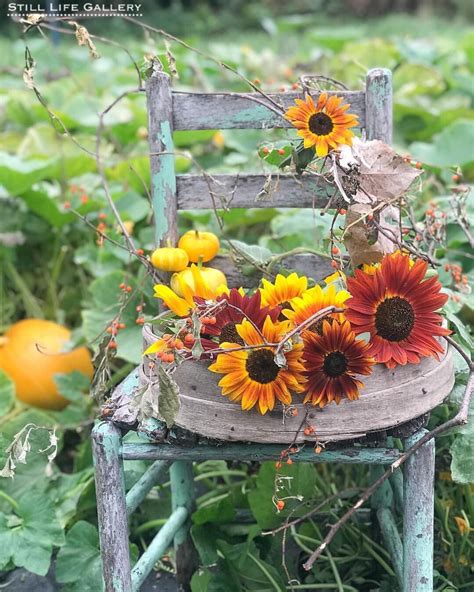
[[251, 191], [203, 111]]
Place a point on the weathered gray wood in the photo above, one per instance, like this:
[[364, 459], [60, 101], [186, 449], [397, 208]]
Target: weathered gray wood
[[251, 452], [111, 507], [312, 266], [201, 111], [418, 517], [378, 98], [241, 191], [163, 178], [389, 398]]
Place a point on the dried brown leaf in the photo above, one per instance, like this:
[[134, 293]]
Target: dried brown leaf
[[384, 175]]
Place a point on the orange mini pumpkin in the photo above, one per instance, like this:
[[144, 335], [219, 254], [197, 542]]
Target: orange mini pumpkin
[[200, 246], [169, 259], [32, 352]]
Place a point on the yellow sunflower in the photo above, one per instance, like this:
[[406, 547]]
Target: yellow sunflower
[[252, 376], [283, 290], [183, 305], [324, 125], [314, 300]]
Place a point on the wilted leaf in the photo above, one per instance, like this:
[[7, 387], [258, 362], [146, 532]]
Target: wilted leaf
[[364, 243], [168, 400], [384, 175]]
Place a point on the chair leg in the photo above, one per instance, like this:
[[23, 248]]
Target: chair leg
[[182, 492], [418, 517], [111, 508]]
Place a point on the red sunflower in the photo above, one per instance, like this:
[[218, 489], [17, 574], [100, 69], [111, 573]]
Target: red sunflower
[[397, 305], [332, 360], [237, 307]]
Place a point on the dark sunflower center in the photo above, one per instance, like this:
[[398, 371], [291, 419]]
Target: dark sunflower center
[[261, 366], [229, 334], [317, 327], [394, 319], [320, 124], [335, 364], [283, 306]]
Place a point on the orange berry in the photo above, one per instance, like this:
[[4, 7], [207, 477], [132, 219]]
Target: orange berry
[[447, 267], [140, 321], [257, 81], [112, 344], [335, 250], [370, 216], [67, 205], [189, 339], [419, 165], [281, 151], [265, 150], [278, 465], [456, 178], [101, 227], [295, 86], [211, 321], [109, 330], [293, 450], [122, 286], [121, 325], [308, 430], [139, 307], [289, 462], [343, 212], [128, 289], [178, 344], [84, 198], [280, 505], [139, 252], [167, 336], [429, 212], [102, 216], [334, 264], [465, 280], [294, 412], [170, 358], [318, 449]]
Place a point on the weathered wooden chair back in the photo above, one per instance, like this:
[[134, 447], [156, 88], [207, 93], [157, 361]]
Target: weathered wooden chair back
[[170, 110]]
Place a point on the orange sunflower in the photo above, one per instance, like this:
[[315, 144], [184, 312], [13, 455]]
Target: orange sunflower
[[324, 125], [397, 305], [311, 302], [282, 292], [332, 360], [252, 376]]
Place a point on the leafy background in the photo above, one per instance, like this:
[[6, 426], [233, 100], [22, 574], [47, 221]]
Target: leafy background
[[59, 273]]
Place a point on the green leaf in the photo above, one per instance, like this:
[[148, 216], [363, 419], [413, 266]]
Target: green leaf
[[168, 400], [450, 147], [462, 463], [200, 580], [28, 541], [17, 175], [221, 511], [79, 560], [255, 253], [7, 393], [72, 386], [204, 538]]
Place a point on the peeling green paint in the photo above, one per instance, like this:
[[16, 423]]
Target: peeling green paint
[[163, 181]]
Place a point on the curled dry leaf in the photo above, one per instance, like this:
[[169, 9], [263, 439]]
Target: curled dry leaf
[[384, 176], [83, 38], [363, 243]]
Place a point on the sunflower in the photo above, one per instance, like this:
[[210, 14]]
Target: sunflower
[[282, 292], [237, 307], [397, 305], [325, 124], [311, 302], [183, 305], [332, 360], [252, 376]]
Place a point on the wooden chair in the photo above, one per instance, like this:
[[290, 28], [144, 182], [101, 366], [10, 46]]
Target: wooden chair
[[168, 111]]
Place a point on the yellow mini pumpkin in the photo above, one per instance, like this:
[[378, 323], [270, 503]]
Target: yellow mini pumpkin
[[213, 278], [200, 246], [169, 259], [32, 351]]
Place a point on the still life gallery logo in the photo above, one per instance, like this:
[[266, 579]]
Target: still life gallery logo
[[83, 9]]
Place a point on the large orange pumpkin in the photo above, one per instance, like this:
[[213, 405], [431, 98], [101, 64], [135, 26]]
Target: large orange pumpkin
[[32, 351]]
